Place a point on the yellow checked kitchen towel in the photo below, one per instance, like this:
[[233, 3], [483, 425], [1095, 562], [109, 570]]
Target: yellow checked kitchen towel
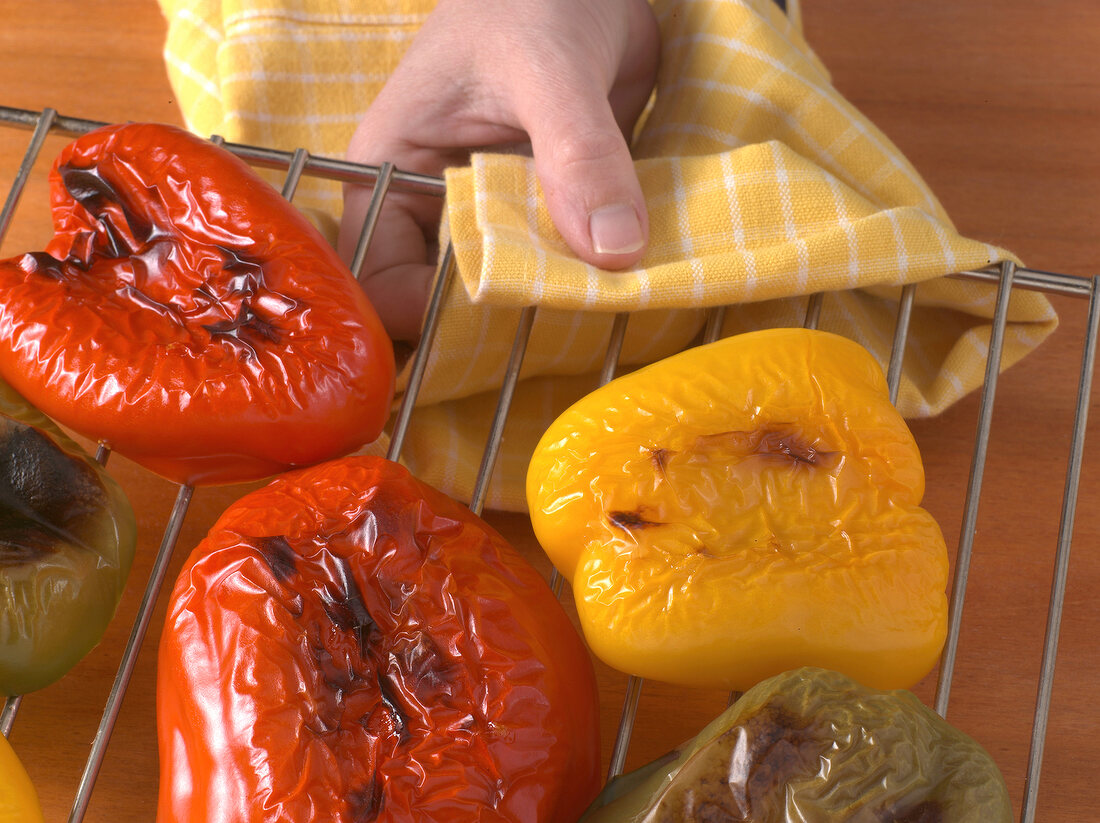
[[764, 186]]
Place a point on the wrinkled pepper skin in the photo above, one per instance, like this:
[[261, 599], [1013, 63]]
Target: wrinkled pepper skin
[[18, 798], [744, 508], [188, 316], [67, 541], [813, 746], [350, 645]]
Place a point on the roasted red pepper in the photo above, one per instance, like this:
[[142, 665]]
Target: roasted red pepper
[[188, 316], [349, 644]]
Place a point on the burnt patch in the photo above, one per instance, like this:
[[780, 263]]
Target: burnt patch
[[247, 327], [348, 612], [278, 555], [631, 521], [773, 747], [365, 804], [47, 496], [659, 457], [38, 262], [23, 540], [784, 444], [779, 442], [392, 704], [88, 188]]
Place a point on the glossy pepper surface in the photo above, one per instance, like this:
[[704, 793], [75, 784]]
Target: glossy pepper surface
[[745, 508], [349, 644], [187, 315], [18, 798], [67, 541], [813, 746]]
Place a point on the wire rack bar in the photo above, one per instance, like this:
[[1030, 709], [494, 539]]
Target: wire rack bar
[[419, 363], [500, 417], [901, 335], [974, 490], [370, 221], [294, 171], [130, 655], [1061, 559]]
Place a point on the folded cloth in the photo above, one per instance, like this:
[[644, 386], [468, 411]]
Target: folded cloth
[[763, 184]]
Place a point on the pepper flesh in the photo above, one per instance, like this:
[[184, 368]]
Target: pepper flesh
[[67, 541], [18, 799], [745, 508], [813, 746], [349, 644], [188, 316]]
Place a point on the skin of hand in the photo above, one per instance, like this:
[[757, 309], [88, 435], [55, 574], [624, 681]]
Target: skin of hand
[[563, 80]]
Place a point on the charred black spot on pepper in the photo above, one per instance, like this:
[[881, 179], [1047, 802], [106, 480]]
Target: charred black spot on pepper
[[250, 273], [781, 745], [23, 540], [87, 187], [787, 445], [279, 556], [349, 611], [344, 613], [364, 805], [388, 696], [660, 457], [630, 521], [247, 327], [38, 262], [778, 441], [773, 746], [46, 495]]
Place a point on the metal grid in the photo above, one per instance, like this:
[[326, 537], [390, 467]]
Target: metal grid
[[385, 178]]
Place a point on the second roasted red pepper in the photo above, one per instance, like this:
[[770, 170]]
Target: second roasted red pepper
[[350, 645]]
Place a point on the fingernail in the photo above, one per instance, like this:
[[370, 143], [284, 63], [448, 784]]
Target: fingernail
[[615, 229]]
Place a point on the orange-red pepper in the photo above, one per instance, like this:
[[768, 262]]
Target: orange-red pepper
[[349, 644], [187, 315]]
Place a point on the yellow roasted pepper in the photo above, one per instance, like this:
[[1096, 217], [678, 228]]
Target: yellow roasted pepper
[[745, 508], [18, 799]]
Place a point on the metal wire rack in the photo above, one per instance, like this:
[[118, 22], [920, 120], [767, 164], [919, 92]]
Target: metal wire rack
[[385, 178]]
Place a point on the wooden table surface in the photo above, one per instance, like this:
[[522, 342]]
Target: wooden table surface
[[997, 104]]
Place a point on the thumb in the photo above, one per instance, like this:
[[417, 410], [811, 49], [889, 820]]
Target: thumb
[[588, 178]]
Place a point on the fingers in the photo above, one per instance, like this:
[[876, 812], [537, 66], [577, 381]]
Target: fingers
[[398, 270], [579, 116], [591, 189], [570, 77]]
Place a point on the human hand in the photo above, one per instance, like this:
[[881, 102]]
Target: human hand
[[563, 79]]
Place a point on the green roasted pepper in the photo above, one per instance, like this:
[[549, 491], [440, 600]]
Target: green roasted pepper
[[67, 539], [814, 746]]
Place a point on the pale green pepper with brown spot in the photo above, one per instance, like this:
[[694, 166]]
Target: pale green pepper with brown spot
[[67, 540], [813, 746]]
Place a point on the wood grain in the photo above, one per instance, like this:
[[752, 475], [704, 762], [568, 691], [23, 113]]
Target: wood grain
[[997, 105]]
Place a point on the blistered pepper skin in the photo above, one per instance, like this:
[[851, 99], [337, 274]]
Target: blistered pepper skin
[[67, 541], [188, 316], [813, 746], [350, 645], [745, 508]]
